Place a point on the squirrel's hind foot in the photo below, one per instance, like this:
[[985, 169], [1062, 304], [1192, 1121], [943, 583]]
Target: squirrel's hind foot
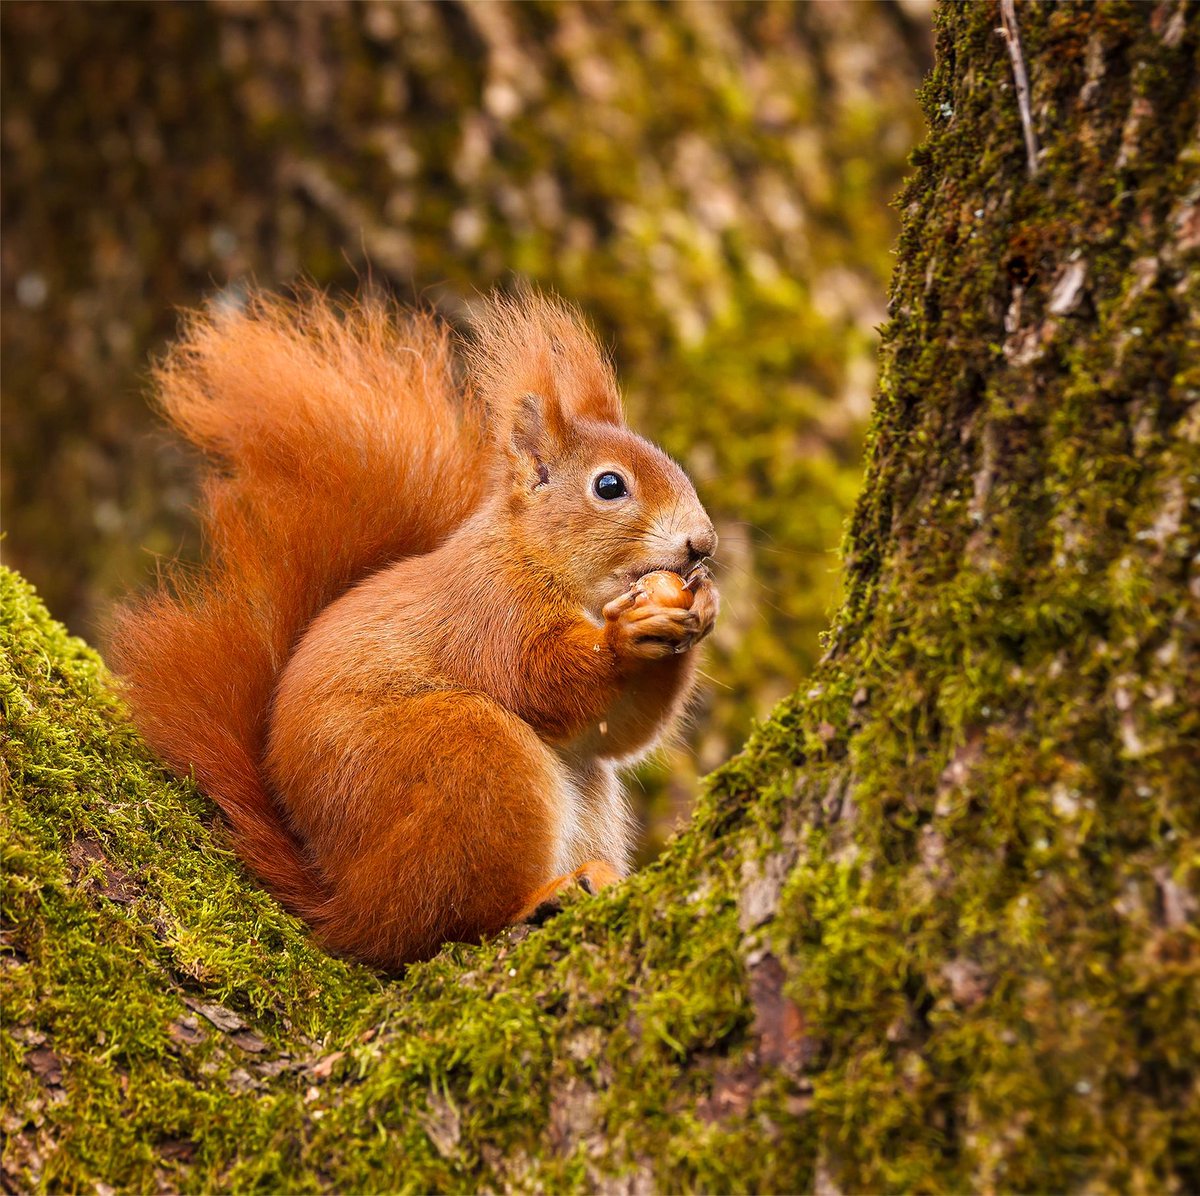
[[547, 901]]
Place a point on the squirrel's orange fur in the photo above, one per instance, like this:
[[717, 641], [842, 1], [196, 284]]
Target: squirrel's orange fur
[[415, 655]]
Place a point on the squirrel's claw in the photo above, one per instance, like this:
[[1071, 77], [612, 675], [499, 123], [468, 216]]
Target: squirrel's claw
[[618, 606]]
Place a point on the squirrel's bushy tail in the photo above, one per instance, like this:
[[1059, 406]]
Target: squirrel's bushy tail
[[335, 440]]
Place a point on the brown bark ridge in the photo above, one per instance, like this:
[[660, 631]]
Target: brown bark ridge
[[935, 928]]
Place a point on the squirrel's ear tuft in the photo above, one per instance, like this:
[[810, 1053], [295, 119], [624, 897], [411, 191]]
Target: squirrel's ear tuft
[[527, 342], [537, 436]]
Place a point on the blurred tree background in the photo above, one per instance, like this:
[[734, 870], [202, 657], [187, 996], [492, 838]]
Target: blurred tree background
[[710, 182]]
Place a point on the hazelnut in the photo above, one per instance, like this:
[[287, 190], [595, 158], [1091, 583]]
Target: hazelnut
[[665, 589]]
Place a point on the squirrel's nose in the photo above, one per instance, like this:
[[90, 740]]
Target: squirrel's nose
[[702, 542]]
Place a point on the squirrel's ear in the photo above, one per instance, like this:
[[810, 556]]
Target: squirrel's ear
[[538, 432]]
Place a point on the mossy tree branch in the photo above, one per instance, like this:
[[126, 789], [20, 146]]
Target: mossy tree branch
[[934, 928]]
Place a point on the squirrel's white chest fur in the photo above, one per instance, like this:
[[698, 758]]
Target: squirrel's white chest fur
[[595, 822]]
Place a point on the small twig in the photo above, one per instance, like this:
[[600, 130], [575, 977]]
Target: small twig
[[1012, 39]]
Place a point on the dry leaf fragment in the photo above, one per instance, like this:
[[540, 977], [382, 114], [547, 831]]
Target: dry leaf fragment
[[186, 1031], [443, 1125], [222, 1018], [248, 1041], [323, 1068], [178, 1149], [45, 1064]]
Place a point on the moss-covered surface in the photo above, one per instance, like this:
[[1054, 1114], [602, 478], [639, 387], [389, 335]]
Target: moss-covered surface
[[1000, 953], [934, 929], [583, 1049]]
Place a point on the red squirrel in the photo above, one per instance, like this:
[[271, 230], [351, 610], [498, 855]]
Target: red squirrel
[[418, 649]]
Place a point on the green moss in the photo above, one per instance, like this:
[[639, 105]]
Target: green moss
[[112, 933], [989, 953], [934, 929]]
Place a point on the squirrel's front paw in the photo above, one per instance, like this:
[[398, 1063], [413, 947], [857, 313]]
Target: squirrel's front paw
[[643, 627]]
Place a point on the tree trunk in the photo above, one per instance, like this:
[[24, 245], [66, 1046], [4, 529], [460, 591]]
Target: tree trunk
[[935, 928]]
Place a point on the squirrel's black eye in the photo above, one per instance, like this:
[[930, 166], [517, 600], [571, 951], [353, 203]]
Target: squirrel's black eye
[[610, 485]]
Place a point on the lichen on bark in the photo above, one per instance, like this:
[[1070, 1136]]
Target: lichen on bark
[[935, 928]]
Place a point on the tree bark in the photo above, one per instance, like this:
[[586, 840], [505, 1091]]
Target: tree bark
[[935, 928]]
